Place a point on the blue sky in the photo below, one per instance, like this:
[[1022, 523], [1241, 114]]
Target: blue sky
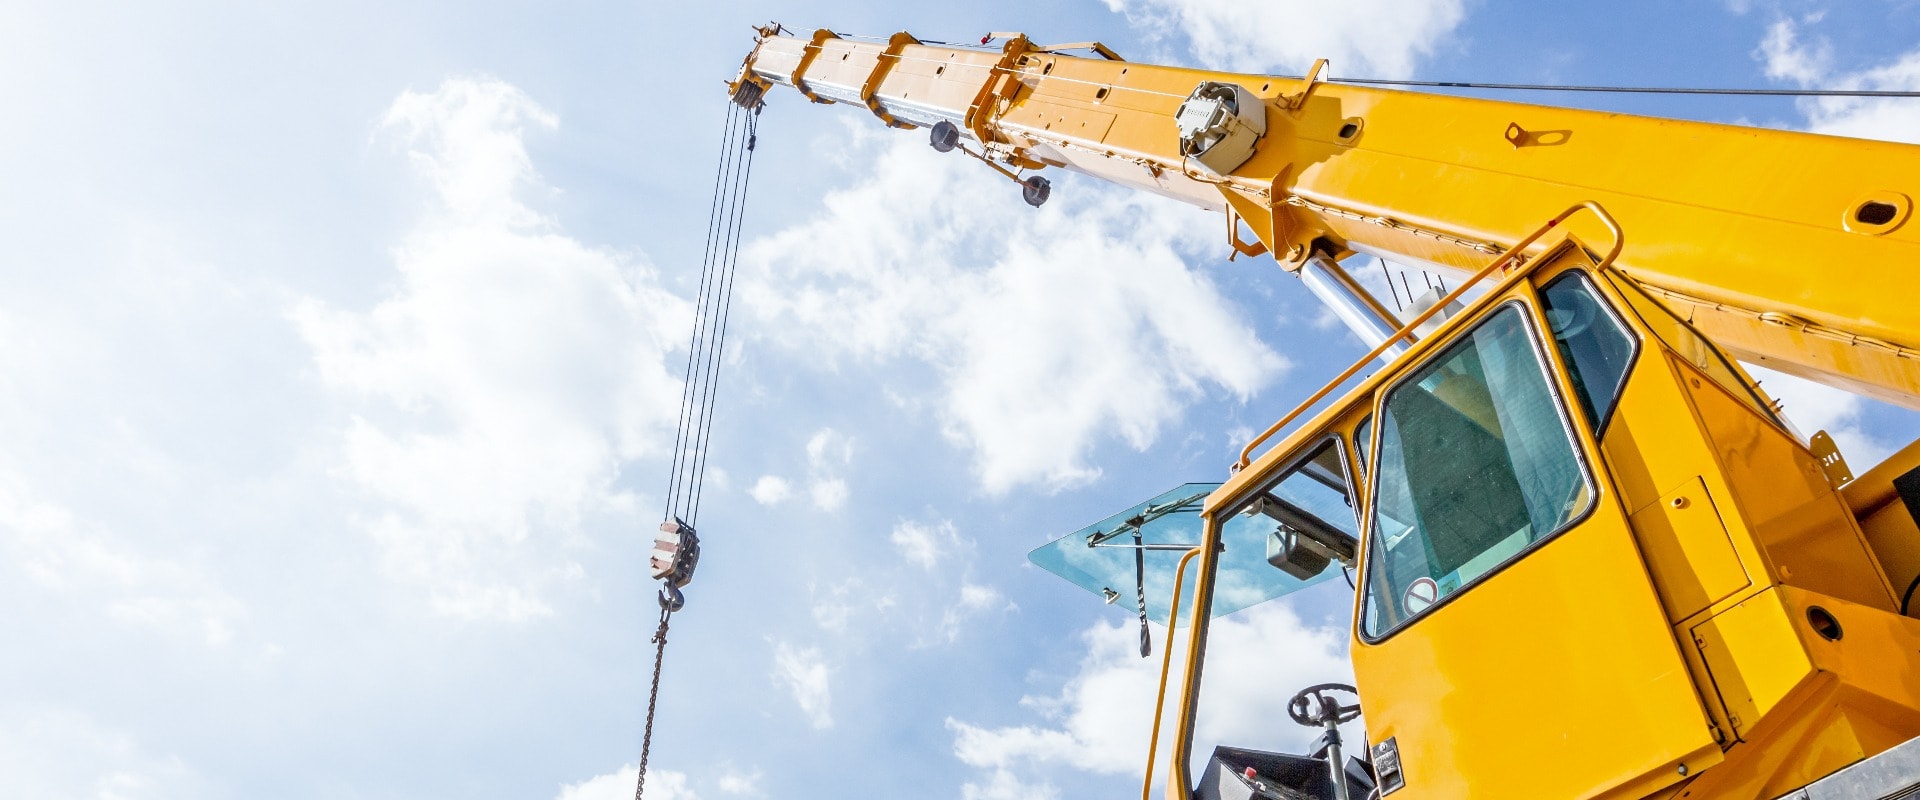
[[341, 347]]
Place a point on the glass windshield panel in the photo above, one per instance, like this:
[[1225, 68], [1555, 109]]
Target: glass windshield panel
[[1100, 557], [1476, 464], [1597, 348]]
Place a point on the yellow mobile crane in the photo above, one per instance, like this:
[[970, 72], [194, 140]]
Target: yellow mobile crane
[[1592, 559]]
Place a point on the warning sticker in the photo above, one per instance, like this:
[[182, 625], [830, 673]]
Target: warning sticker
[[1420, 594]]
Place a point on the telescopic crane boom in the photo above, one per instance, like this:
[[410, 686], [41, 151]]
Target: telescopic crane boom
[[1788, 249]]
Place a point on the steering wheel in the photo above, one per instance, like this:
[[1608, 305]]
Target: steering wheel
[[1314, 707]]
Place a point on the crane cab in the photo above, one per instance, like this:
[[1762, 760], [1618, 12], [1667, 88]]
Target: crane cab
[[1592, 560]]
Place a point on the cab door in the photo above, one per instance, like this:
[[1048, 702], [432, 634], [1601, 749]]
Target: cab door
[[1508, 641]]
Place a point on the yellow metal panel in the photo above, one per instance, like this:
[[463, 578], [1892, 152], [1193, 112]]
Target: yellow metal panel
[[1652, 443], [1556, 677], [937, 77], [1799, 745], [1884, 518], [1874, 653], [844, 62], [1687, 550], [1056, 118], [1755, 656], [1807, 536], [1808, 705]]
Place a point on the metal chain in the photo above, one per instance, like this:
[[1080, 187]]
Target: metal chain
[[653, 701]]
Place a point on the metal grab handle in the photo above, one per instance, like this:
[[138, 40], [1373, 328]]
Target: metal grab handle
[[1505, 260], [1166, 661]]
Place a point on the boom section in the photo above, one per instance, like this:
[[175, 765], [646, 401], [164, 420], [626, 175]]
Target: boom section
[[1790, 250]]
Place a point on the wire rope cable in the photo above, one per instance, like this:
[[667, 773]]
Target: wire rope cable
[[1481, 85], [732, 264], [1545, 87], [699, 392], [687, 384]]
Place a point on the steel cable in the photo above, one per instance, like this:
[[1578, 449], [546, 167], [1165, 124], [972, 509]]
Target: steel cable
[[730, 265], [680, 442], [699, 390]]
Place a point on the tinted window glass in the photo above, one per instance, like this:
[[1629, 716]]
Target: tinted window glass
[[1476, 463], [1598, 349]]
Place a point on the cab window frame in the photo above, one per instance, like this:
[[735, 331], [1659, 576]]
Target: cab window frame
[[1637, 341], [1549, 364]]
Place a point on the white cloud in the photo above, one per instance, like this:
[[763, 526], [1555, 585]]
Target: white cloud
[[977, 597], [1050, 329], [771, 490], [828, 494], [65, 754], [1004, 785], [806, 675], [1788, 58], [931, 599], [834, 608], [927, 545], [506, 376], [1788, 55], [828, 448], [1363, 38], [974, 600], [1255, 661], [62, 554], [745, 783], [828, 452], [619, 785]]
